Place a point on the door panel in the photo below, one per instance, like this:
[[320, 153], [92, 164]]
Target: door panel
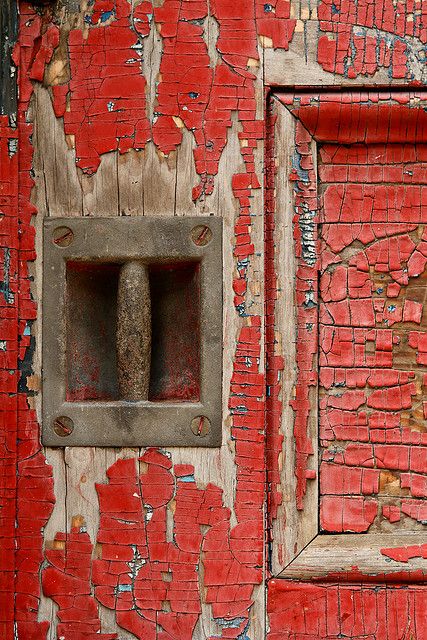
[[351, 198]]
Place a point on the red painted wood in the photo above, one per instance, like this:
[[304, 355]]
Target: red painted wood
[[204, 94]]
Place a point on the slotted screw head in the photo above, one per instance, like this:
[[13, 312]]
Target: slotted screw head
[[63, 426], [200, 426], [201, 235], [62, 236]]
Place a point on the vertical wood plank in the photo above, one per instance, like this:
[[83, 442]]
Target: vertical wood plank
[[292, 529], [146, 182]]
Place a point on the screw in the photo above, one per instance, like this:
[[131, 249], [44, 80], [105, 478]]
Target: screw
[[201, 235], [200, 426], [62, 236], [63, 426]]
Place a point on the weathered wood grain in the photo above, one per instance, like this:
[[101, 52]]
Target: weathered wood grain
[[293, 529], [144, 183], [349, 557]]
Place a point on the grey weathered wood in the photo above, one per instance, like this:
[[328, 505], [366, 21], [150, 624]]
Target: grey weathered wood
[[292, 530], [8, 37], [350, 554], [57, 185]]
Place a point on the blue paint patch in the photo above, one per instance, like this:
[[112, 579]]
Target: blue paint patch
[[124, 588], [334, 9], [391, 308], [243, 263], [229, 624], [239, 409], [5, 285], [268, 8], [296, 164], [27, 330], [189, 478], [12, 145], [106, 16], [241, 310]]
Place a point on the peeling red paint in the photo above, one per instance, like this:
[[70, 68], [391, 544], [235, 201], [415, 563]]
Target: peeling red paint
[[327, 611], [105, 113], [43, 48], [374, 293], [365, 37], [404, 554], [67, 582], [102, 126], [27, 475], [148, 573], [372, 238], [8, 364], [154, 578], [35, 483], [105, 105]]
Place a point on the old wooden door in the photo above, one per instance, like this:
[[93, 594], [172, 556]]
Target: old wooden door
[[349, 221], [306, 519]]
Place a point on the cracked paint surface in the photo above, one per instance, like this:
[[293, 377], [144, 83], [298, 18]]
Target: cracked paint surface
[[156, 579], [25, 474], [366, 241], [157, 591], [372, 291], [102, 112], [300, 611], [363, 37], [370, 312], [8, 363]]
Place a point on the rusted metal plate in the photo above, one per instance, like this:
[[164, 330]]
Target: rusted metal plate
[[91, 395]]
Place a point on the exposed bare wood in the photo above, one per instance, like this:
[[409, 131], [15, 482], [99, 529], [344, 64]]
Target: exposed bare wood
[[354, 554], [299, 66], [101, 190], [186, 178], [54, 160], [146, 183], [292, 530], [130, 181]]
